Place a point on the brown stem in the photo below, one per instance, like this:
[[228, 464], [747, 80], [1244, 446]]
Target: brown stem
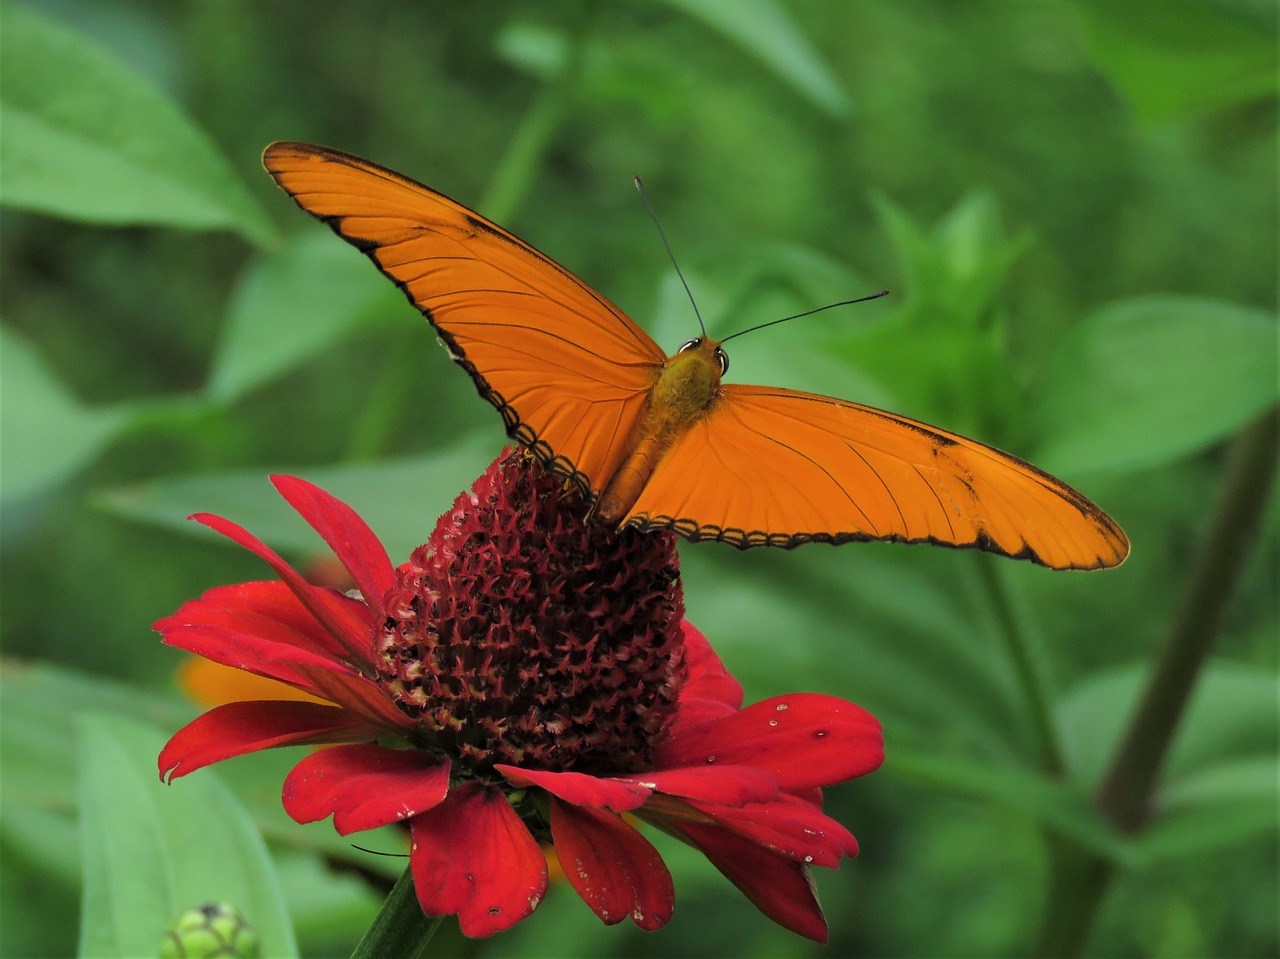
[[1126, 790], [1079, 879]]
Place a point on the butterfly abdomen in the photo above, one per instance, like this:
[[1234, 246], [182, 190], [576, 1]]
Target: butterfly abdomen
[[683, 394]]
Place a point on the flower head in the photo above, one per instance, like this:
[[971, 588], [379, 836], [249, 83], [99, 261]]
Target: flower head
[[525, 677]]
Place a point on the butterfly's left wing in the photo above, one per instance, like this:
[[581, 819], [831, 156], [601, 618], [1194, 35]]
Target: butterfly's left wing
[[775, 467], [569, 372]]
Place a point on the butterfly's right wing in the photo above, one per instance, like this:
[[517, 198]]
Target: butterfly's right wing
[[568, 371], [776, 467]]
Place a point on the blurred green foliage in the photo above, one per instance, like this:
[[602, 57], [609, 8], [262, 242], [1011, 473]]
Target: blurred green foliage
[[1074, 203]]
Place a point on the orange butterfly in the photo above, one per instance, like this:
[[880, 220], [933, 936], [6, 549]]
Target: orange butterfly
[[658, 442]]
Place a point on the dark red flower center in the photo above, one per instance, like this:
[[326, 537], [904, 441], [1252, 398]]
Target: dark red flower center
[[521, 634]]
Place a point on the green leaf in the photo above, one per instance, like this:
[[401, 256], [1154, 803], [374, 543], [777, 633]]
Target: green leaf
[[291, 305], [1177, 58], [1227, 805], [943, 353], [767, 32], [38, 794], [37, 732], [955, 271], [85, 137], [1145, 381], [400, 500], [1062, 807], [151, 850], [1231, 716], [34, 408], [1218, 786], [331, 909]]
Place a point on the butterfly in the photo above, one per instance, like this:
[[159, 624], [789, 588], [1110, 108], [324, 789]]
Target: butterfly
[[662, 442]]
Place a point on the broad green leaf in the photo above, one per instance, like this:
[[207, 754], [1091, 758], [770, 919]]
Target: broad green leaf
[[1176, 58], [1229, 717], [35, 408], [1230, 803], [1145, 381], [400, 500], [151, 850], [37, 735], [330, 909], [85, 137], [38, 789], [766, 31], [44, 836], [291, 305], [1062, 807], [1252, 779]]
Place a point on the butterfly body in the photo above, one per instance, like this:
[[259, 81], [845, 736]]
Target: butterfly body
[[683, 393], [663, 443]]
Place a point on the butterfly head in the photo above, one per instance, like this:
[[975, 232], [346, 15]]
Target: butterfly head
[[710, 349], [689, 383]]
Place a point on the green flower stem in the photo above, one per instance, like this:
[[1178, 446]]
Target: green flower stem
[[400, 929], [514, 175], [1080, 880], [1028, 663]]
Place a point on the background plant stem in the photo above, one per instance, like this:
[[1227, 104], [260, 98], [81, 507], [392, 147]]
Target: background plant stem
[[1028, 662], [1130, 781], [514, 176], [1079, 880], [508, 186]]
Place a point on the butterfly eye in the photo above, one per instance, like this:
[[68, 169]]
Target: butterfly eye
[[690, 345], [723, 359]]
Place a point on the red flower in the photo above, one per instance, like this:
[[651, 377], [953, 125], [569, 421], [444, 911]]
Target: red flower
[[526, 677]]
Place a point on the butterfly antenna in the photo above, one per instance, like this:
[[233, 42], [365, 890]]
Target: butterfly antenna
[[829, 306], [376, 852], [654, 216]]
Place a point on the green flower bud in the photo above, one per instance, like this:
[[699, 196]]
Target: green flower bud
[[216, 930]]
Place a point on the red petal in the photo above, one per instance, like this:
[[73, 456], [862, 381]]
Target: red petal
[[789, 827], [363, 697], [239, 728], [350, 538], [365, 786], [804, 739], [349, 624], [810, 794], [266, 609], [264, 628], [728, 785], [709, 678], [615, 870], [473, 856], [691, 711], [580, 789], [781, 889], [259, 656]]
